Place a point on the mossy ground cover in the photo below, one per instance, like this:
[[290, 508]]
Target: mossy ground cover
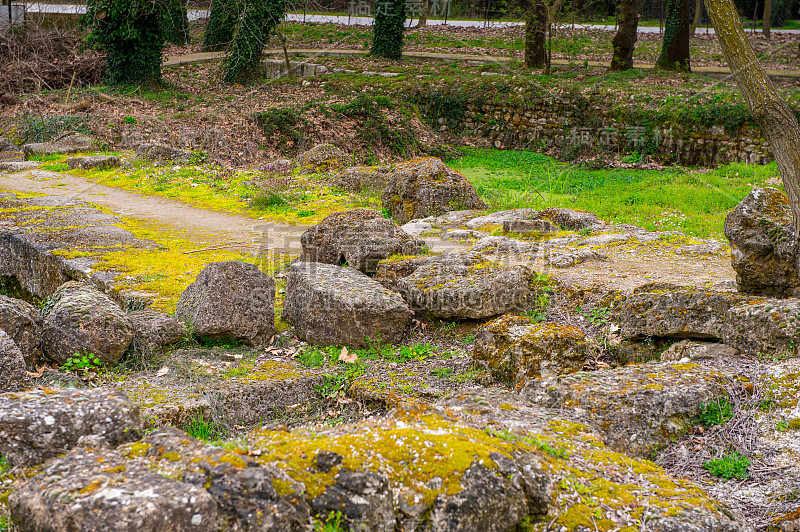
[[259, 193]]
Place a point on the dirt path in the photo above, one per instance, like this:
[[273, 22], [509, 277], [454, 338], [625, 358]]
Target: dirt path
[[200, 223]]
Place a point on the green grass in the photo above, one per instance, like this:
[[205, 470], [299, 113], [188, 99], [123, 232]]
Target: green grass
[[692, 201], [204, 430]]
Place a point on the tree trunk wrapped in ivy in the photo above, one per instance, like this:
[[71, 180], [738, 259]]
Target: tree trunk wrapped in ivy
[[258, 22], [535, 32], [624, 41], [222, 24], [387, 29], [675, 50], [132, 35], [176, 23]]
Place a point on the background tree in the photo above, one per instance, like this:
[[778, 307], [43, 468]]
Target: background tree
[[624, 41], [131, 32], [767, 18], [536, 17], [259, 20], [176, 23], [773, 115], [222, 23], [675, 49], [387, 28], [698, 12]]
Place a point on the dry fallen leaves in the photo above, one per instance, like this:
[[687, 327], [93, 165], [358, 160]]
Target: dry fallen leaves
[[347, 357]]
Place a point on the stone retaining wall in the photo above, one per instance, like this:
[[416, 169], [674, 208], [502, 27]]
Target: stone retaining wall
[[553, 122]]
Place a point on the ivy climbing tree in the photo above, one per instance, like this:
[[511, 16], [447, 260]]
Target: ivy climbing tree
[[222, 22], [675, 49], [387, 28], [259, 20], [131, 32]]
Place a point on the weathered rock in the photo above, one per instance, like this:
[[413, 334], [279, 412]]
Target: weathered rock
[[322, 158], [687, 350], [363, 497], [787, 523], [466, 478], [14, 165], [360, 238], [23, 323], [361, 178], [573, 258], [503, 246], [392, 270], [332, 305], [476, 291], [12, 366], [763, 244], [578, 461], [79, 319], [499, 217], [98, 490], [230, 300], [636, 408], [95, 162], [39, 424], [680, 314], [155, 330], [427, 187], [255, 394], [570, 218], [72, 143], [528, 226], [5, 145], [247, 496], [515, 350], [769, 327], [462, 235], [159, 153]]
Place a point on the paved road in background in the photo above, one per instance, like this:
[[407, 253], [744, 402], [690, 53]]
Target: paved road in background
[[195, 14]]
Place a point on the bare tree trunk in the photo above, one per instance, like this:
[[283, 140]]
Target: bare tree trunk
[[698, 12], [535, 26], [625, 39], [423, 15], [767, 18], [675, 50], [775, 118]]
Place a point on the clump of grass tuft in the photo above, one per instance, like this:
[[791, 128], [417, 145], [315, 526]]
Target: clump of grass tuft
[[733, 465]]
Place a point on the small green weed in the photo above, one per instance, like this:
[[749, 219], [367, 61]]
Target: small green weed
[[782, 426], [598, 316], [315, 357], [733, 465], [267, 200], [129, 120], [204, 430], [442, 373], [555, 452], [78, 363], [332, 523], [337, 384], [716, 412]]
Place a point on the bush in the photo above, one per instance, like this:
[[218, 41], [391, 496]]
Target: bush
[[222, 24], [42, 128], [387, 29], [258, 22], [131, 32]]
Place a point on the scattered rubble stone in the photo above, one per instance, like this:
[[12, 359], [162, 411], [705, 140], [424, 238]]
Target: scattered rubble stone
[[359, 238], [230, 300], [23, 323], [332, 305], [362, 178], [457, 290], [322, 158], [570, 218], [72, 143], [427, 187], [39, 424], [13, 374], [516, 350], [769, 327], [155, 330], [78, 319], [763, 244], [95, 162]]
